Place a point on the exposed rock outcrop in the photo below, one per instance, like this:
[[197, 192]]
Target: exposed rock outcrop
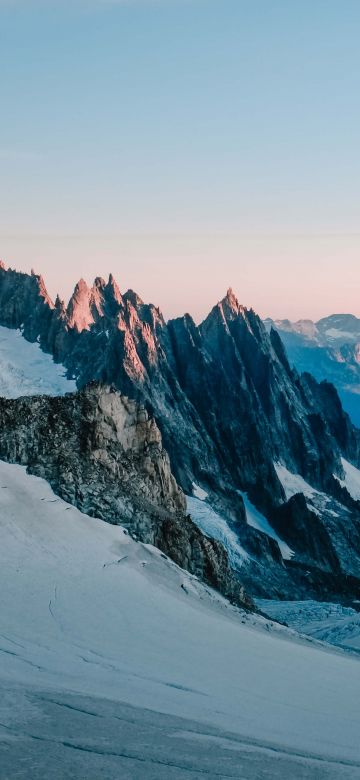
[[102, 452], [228, 405]]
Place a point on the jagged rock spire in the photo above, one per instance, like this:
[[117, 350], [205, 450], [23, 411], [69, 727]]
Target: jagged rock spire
[[89, 304], [113, 287], [99, 283], [134, 298], [230, 304], [60, 305], [78, 310]]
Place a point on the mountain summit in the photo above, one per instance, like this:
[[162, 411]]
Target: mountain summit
[[269, 449]]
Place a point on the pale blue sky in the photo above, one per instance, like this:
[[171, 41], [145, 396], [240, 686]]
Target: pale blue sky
[[185, 145]]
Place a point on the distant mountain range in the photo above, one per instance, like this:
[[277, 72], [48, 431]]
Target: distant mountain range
[[266, 456], [328, 349]]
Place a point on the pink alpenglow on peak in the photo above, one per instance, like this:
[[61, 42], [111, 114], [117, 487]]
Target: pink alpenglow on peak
[[78, 310], [114, 289], [88, 304], [230, 303]]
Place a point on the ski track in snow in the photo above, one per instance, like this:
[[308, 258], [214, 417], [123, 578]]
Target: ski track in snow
[[75, 629], [26, 370]]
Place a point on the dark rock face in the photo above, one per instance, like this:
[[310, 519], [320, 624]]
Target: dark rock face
[[304, 532], [227, 403], [101, 452]]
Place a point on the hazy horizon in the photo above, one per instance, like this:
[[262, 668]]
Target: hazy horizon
[[185, 146], [65, 292]]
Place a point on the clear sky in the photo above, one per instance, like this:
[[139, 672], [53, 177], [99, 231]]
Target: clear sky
[[186, 146]]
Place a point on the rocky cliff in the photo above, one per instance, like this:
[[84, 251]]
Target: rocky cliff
[[229, 407], [101, 452]]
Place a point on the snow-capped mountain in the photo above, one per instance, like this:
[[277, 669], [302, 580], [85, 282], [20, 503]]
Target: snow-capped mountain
[[130, 647], [339, 328], [116, 663], [329, 331], [237, 421], [328, 349]]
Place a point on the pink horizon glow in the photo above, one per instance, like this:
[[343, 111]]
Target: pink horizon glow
[[282, 277]]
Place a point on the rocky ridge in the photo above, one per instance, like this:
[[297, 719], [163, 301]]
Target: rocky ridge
[[229, 407]]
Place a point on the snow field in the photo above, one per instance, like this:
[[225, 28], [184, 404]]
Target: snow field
[[85, 609]]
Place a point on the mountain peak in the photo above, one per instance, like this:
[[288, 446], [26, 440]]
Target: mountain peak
[[81, 286], [99, 283], [133, 298], [230, 295], [223, 312], [78, 310], [228, 406], [230, 305], [41, 288], [60, 304], [230, 298], [114, 289]]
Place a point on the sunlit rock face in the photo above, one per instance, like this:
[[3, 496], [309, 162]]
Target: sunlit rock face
[[79, 314], [228, 405], [87, 305]]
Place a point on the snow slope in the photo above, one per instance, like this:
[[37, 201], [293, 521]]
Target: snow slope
[[26, 370], [294, 483], [93, 622], [257, 520], [352, 479], [317, 502], [199, 492], [216, 527]]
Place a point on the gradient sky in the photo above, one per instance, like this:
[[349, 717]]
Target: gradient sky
[[185, 145]]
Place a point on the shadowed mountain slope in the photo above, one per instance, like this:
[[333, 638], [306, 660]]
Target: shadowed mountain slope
[[229, 407]]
